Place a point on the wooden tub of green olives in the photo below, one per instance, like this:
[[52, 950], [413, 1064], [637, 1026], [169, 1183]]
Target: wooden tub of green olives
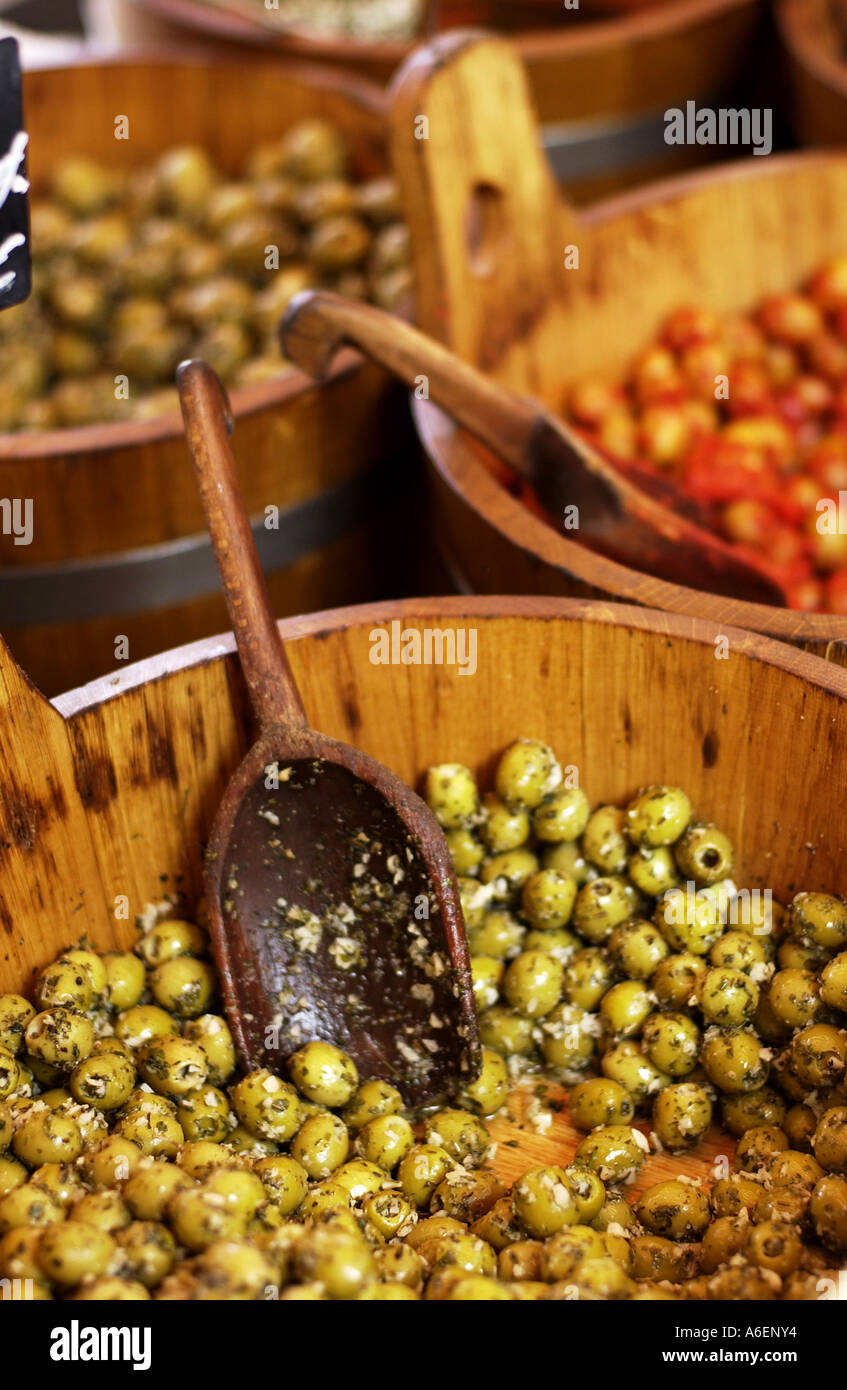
[[545, 298], [165, 192], [655, 906]]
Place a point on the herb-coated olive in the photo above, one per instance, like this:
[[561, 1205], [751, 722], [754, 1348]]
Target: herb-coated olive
[[637, 947], [604, 843], [506, 1031], [184, 986], [544, 1201], [601, 905], [213, 1035], [613, 1152], [268, 1107], [461, 1135], [819, 920], [628, 1063], [829, 1143], [828, 1210], [125, 979], [677, 978], [15, 1015], [568, 1038], [488, 1092], [600, 1101], [323, 1073], [746, 1110], [658, 816], [47, 1136], [757, 1146], [64, 985], [486, 977], [672, 1042], [169, 939], [588, 975], [653, 871], [727, 997], [704, 854], [533, 983], [507, 873], [104, 1080], [141, 1023], [173, 1066], [466, 851], [548, 899], [451, 794], [734, 1061], [205, 1114], [625, 1007], [527, 772], [372, 1099], [499, 934], [833, 984], [503, 827], [72, 1251], [562, 816], [59, 1037], [676, 1210], [817, 1055], [681, 1115]]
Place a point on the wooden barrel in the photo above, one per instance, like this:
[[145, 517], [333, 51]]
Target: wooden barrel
[[118, 548], [601, 85], [814, 50], [725, 237], [108, 795]]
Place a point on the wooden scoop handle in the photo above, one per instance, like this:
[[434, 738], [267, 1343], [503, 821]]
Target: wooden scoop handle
[[487, 222], [208, 425], [317, 324]]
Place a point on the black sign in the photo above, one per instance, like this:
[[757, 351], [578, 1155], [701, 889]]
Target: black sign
[[14, 215]]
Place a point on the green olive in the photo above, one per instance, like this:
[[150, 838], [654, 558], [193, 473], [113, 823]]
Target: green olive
[[604, 843], [637, 948], [681, 1115], [600, 1101], [674, 1209], [528, 771], [601, 905], [544, 1201], [451, 794], [488, 1092], [548, 899], [704, 854], [653, 871], [321, 1144], [613, 1152], [568, 1038], [533, 983], [59, 1037], [16, 1013], [562, 816], [267, 1106], [625, 1007], [421, 1171], [628, 1063], [819, 920], [588, 975], [323, 1073]]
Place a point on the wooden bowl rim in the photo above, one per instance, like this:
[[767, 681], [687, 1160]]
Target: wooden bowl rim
[[536, 45], [535, 536], [21, 448], [824, 675], [795, 23]]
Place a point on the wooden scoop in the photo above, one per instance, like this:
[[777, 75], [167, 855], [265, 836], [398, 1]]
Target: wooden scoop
[[613, 515], [333, 906]]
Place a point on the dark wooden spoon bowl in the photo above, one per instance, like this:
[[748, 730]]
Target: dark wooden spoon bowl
[[333, 906], [654, 533]]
